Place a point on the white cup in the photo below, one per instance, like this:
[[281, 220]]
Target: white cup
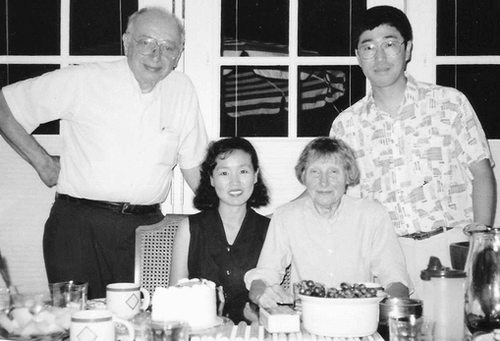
[[124, 299], [98, 325]]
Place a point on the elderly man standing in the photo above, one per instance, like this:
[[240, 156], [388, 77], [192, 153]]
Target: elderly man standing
[[420, 147], [125, 125]]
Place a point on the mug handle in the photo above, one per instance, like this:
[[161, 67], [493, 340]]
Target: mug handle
[[146, 300], [127, 324]]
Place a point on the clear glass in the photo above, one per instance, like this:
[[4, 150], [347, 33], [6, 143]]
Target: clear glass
[[4, 300], [325, 26], [96, 26], [254, 27], [324, 92], [480, 83], [461, 27], [482, 294], [69, 294], [33, 27], [254, 101]]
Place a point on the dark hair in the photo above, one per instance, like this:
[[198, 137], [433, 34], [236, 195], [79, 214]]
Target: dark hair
[[322, 147], [383, 15], [206, 197]]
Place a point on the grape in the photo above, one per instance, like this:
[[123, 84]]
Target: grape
[[346, 290]]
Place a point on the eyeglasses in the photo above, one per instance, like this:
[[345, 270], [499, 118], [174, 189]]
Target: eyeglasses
[[146, 46], [390, 48]]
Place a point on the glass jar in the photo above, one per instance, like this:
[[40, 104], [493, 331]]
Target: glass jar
[[482, 289]]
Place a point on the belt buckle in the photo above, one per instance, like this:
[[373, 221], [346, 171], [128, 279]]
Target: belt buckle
[[127, 208], [421, 235]]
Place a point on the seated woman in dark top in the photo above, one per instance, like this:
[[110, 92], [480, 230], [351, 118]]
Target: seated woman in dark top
[[223, 241]]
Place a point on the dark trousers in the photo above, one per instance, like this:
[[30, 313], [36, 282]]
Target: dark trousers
[[89, 244]]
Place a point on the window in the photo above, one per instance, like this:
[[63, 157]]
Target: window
[[37, 38], [287, 66], [469, 51]]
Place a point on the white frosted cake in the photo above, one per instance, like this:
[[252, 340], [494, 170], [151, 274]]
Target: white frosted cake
[[192, 301]]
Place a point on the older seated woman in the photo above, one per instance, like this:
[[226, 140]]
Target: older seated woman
[[326, 235]]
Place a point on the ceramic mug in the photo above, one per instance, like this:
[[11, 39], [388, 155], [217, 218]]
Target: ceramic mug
[[97, 325], [124, 299]]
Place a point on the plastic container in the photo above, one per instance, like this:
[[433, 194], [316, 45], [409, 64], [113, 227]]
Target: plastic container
[[341, 317], [444, 292]]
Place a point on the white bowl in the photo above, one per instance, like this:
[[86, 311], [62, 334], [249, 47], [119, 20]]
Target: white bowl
[[341, 317]]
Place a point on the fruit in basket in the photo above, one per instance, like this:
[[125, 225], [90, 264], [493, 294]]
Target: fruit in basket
[[346, 290]]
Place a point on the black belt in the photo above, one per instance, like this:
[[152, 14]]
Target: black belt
[[120, 207], [426, 235]]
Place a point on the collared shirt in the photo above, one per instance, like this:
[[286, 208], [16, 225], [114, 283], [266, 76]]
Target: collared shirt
[[354, 246], [118, 143], [417, 162]]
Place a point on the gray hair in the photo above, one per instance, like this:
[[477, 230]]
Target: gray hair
[[133, 18], [324, 147]]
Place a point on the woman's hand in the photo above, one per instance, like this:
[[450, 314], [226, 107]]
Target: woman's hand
[[268, 296]]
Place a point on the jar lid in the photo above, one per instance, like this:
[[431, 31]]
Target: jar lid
[[436, 269]]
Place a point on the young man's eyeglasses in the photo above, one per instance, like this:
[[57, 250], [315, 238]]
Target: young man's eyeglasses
[[390, 48], [146, 46]]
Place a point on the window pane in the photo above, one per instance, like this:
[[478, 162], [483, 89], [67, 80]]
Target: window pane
[[468, 27], [97, 26], [255, 24], [33, 27], [3, 32], [480, 83], [324, 93], [22, 72], [254, 101], [325, 26], [4, 78]]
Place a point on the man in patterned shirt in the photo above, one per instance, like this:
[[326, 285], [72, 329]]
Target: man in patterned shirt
[[420, 147]]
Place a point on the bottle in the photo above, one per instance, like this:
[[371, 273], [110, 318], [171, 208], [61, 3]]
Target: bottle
[[444, 296]]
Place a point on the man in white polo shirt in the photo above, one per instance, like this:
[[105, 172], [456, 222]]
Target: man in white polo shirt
[[125, 125]]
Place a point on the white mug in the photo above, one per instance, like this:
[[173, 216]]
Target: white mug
[[124, 299], [96, 325]]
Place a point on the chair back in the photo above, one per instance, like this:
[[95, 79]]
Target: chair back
[[153, 252]]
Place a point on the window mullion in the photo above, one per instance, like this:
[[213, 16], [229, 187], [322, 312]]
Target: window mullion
[[65, 27], [293, 87]]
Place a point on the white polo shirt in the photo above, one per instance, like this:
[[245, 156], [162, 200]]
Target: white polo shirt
[[119, 144]]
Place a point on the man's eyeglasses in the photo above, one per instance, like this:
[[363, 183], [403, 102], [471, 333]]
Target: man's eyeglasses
[[390, 48], [146, 46]]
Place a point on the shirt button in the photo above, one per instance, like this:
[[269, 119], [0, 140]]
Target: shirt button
[[228, 272]]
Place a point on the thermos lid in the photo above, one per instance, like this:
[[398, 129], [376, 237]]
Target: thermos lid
[[435, 269]]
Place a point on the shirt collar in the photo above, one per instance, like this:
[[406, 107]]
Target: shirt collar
[[411, 93]]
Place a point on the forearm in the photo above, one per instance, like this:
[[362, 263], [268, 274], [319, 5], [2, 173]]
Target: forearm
[[484, 194], [26, 146], [192, 177]]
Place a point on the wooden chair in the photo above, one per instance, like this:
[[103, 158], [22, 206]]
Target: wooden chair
[[153, 252]]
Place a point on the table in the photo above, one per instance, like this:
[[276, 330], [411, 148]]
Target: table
[[256, 332]]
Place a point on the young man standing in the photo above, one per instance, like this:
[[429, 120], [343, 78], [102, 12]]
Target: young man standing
[[420, 147]]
